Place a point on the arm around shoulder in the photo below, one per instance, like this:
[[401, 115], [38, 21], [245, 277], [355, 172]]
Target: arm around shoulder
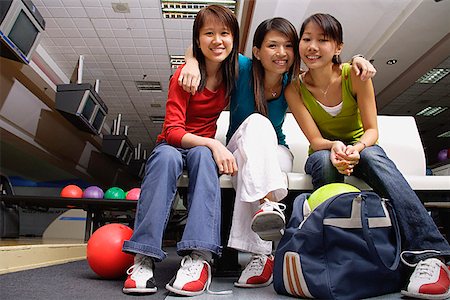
[[365, 96], [190, 75]]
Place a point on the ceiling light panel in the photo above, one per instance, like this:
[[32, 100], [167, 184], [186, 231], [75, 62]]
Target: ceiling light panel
[[434, 75], [431, 111], [444, 135], [157, 119], [176, 61], [146, 86], [188, 9]]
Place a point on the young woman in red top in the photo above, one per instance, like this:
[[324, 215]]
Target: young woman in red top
[[187, 142]]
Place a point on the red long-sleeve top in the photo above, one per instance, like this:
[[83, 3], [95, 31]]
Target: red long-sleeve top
[[196, 114]]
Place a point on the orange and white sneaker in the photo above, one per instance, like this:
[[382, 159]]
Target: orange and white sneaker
[[140, 278], [193, 277], [269, 221], [257, 273], [430, 280]]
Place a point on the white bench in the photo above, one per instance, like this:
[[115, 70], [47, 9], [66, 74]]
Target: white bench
[[398, 136]]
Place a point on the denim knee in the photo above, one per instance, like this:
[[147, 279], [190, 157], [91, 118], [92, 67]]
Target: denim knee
[[164, 156], [319, 166], [199, 153], [374, 157]]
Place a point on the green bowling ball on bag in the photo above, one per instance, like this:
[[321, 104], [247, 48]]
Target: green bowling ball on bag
[[327, 191]]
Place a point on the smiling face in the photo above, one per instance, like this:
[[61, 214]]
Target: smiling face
[[215, 41], [316, 49], [276, 53]]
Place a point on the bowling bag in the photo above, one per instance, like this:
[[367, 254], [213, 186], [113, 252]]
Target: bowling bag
[[346, 248]]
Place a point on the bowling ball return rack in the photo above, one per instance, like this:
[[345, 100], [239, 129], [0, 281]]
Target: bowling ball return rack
[[95, 208], [225, 266]]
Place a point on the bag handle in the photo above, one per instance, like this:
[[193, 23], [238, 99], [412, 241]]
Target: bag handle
[[368, 236]]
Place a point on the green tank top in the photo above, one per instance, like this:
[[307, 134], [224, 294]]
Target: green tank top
[[345, 126]]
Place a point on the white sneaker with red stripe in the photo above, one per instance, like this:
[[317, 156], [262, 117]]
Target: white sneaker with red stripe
[[140, 276], [193, 277], [257, 273], [430, 280], [269, 221]]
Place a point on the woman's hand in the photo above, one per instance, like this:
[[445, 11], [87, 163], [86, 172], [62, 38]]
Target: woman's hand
[[224, 158], [344, 158], [190, 77], [363, 68]]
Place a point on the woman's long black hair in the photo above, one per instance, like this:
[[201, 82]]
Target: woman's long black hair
[[230, 64], [287, 29]]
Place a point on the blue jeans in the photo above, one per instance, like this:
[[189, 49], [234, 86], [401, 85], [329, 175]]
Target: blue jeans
[[419, 232], [202, 230]]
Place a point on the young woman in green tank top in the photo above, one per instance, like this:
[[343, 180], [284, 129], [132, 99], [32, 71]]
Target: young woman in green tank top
[[336, 110]]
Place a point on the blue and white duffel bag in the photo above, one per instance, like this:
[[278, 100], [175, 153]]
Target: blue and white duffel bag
[[346, 248]]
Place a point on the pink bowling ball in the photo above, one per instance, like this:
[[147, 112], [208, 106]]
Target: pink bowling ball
[[133, 194]]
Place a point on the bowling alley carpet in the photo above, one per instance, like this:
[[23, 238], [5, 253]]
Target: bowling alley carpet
[[75, 280]]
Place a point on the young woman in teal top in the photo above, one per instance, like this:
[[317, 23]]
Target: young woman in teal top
[[337, 112], [255, 137]]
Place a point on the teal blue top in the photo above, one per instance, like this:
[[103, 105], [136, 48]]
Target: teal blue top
[[242, 102]]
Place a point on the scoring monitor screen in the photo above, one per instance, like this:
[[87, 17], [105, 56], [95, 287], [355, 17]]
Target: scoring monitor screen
[[98, 120], [88, 108], [23, 33]]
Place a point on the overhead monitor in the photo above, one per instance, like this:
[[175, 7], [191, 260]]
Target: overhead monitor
[[82, 106], [21, 27]]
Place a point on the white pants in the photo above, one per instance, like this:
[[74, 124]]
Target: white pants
[[261, 163]]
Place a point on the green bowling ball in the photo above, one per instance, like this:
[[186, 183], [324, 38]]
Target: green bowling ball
[[114, 193], [327, 191]]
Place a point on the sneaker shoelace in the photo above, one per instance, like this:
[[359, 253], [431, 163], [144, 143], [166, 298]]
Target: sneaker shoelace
[[142, 266], [257, 262], [275, 205], [191, 266], [425, 269]]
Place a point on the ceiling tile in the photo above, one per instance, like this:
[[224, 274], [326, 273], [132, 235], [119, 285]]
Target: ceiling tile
[[118, 24], [153, 23], [95, 12], [151, 13], [128, 50], [156, 34], [52, 3], [105, 33], [101, 24], [150, 3], [135, 13], [91, 3], [76, 12], [77, 42], [55, 33], [139, 33], [123, 33], [125, 42], [58, 12], [82, 23], [113, 50], [72, 33], [72, 3], [87, 32]]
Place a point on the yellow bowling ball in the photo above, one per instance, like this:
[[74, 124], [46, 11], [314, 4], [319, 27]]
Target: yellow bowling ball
[[327, 191]]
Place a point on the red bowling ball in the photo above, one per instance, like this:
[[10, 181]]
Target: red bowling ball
[[133, 194], [71, 191], [104, 251]]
